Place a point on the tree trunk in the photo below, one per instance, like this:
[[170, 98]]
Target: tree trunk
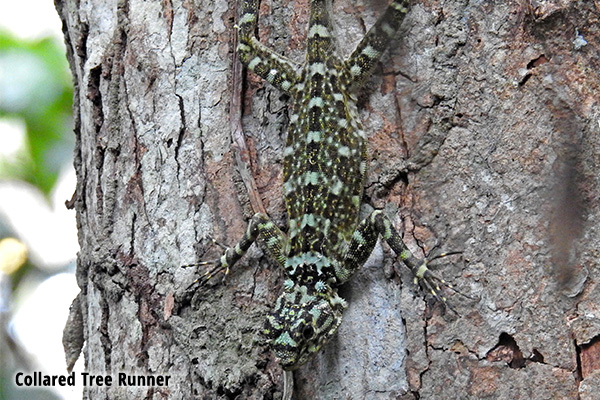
[[484, 138]]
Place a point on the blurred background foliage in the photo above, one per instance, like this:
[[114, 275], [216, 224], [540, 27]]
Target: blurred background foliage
[[36, 90], [37, 234]]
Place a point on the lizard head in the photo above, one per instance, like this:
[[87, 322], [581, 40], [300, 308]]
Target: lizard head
[[304, 318]]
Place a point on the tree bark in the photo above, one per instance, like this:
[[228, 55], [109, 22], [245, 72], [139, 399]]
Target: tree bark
[[484, 138]]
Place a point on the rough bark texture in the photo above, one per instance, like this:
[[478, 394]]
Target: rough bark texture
[[495, 103]]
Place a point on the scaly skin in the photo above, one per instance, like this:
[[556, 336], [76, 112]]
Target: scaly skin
[[324, 169]]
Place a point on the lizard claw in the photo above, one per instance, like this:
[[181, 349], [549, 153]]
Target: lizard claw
[[217, 268], [433, 284], [221, 245]]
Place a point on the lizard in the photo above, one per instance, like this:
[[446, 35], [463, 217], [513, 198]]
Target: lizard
[[324, 169]]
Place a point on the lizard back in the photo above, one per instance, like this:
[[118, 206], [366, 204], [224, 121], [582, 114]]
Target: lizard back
[[325, 155]]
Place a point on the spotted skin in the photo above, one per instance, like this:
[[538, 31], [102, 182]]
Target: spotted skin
[[324, 168]]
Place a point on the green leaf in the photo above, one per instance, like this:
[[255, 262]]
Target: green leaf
[[35, 86]]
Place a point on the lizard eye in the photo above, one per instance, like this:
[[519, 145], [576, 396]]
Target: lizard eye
[[308, 332]]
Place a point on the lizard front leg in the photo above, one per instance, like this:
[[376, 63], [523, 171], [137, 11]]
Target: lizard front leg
[[260, 225], [363, 241]]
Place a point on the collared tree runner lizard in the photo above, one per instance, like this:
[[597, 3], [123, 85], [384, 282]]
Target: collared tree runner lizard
[[324, 169]]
